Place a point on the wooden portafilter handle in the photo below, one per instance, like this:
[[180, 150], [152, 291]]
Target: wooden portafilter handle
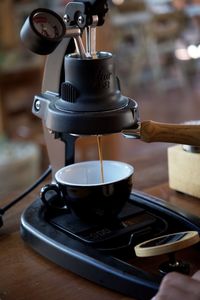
[[150, 131]]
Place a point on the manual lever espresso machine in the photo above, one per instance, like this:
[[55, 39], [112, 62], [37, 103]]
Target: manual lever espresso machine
[[81, 96]]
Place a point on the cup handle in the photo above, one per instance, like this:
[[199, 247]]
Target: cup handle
[[47, 188]]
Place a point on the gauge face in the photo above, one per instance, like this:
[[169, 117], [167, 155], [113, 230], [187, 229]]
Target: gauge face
[[48, 25]]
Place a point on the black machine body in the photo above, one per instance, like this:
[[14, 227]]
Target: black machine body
[[80, 92]]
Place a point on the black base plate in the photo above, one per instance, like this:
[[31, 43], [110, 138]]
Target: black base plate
[[97, 251]]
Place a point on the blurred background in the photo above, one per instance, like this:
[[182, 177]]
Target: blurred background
[[157, 50]]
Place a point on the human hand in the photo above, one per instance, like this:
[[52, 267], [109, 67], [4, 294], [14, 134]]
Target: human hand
[[176, 286]]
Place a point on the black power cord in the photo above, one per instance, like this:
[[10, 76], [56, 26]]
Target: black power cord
[[24, 194]]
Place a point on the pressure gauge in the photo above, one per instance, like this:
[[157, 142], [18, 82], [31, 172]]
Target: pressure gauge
[[42, 31]]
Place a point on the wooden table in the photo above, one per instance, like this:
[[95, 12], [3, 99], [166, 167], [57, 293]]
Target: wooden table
[[26, 275]]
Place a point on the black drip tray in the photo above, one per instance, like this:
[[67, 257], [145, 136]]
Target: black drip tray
[[89, 250], [130, 227]]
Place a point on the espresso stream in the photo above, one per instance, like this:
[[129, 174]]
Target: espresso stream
[[99, 144]]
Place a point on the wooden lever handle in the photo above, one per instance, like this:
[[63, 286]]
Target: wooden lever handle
[[170, 133]]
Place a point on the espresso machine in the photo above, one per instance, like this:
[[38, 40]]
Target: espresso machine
[[81, 96]]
